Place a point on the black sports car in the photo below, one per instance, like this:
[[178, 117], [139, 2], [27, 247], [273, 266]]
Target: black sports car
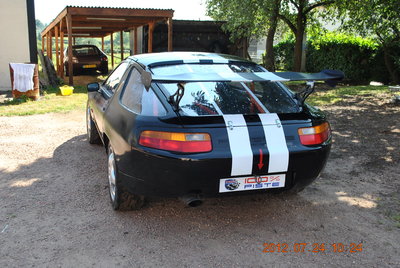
[[189, 125]]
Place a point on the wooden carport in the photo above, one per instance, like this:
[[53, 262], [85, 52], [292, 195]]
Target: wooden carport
[[99, 22]]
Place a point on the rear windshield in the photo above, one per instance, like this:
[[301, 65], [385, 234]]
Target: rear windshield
[[85, 51], [217, 98]]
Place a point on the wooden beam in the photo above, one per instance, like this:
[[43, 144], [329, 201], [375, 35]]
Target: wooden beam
[[55, 21], [169, 22], [121, 40], [102, 44], [112, 50], [150, 38], [57, 50], [70, 65], [120, 12]]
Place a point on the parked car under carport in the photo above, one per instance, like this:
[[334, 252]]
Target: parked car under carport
[[86, 57]]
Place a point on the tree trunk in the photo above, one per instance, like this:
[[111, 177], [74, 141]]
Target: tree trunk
[[394, 74], [298, 46], [269, 48]]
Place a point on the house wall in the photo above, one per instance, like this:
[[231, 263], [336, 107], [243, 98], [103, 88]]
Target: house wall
[[14, 44]]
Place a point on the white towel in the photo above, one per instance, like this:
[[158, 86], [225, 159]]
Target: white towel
[[23, 76]]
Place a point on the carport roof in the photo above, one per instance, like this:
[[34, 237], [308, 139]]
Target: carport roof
[[102, 21]]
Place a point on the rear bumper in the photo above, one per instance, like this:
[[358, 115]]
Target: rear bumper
[[85, 66], [150, 174]]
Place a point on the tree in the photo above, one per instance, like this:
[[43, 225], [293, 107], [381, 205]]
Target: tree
[[244, 18], [253, 17], [297, 21], [379, 19]]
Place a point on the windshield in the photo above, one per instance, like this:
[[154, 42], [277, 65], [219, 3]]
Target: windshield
[[217, 98]]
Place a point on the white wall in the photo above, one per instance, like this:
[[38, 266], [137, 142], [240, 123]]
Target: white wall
[[14, 45]]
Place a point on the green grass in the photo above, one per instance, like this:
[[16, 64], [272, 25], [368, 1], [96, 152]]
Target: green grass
[[336, 95], [396, 218], [52, 101]]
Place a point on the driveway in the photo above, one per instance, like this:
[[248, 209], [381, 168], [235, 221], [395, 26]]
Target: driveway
[[55, 211]]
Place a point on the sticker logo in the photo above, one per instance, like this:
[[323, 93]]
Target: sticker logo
[[231, 184]]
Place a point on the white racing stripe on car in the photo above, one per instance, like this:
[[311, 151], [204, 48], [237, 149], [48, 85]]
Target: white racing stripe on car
[[276, 143], [239, 143]]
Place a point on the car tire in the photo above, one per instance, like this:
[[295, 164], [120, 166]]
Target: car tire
[[92, 133], [120, 198]]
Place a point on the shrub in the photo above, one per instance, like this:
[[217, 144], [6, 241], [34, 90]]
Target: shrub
[[361, 59]]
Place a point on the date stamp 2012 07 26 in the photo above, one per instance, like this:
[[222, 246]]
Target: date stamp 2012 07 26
[[312, 247]]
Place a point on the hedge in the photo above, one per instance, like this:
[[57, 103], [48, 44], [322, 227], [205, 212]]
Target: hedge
[[359, 58]]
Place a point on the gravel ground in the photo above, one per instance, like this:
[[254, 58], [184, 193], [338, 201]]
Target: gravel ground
[[55, 211]]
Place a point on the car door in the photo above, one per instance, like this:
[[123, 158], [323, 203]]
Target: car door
[[102, 98]]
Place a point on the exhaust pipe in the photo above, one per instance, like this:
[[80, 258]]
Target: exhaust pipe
[[191, 200]]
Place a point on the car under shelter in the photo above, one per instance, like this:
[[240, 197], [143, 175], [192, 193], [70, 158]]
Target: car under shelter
[[99, 22]]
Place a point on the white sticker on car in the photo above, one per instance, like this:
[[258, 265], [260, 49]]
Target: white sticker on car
[[276, 143], [251, 183], [239, 143]]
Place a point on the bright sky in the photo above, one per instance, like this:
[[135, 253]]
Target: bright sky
[[47, 10]]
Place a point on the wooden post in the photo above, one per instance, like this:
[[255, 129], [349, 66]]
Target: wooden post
[[61, 49], [62, 54], [121, 40], [43, 38], [135, 46], [150, 38], [112, 50], [102, 43], [51, 47], [70, 66], [57, 50], [169, 22], [48, 44], [74, 40]]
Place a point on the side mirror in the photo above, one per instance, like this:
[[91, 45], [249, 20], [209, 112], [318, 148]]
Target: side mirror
[[93, 87], [146, 79]]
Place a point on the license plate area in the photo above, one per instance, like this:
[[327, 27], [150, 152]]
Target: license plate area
[[251, 183], [89, 66]]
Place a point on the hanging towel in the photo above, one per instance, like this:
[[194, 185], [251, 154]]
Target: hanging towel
[[23, 76]]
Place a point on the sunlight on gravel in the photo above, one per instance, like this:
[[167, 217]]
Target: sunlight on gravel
[[24, 183], [367, 201]]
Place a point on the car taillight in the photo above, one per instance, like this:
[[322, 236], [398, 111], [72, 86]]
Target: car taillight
[[177, 142], [104, 59], [315, 135]]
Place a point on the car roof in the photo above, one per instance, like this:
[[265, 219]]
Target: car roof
[[78, 46], [167, 58]]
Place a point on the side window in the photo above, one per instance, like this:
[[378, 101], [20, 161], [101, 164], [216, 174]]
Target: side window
[[140, 101], [114, 79]]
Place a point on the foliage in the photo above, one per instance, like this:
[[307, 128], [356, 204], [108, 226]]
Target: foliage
[[52, 101], [359, 58], [247, 18], [244, 18], [378, 19]]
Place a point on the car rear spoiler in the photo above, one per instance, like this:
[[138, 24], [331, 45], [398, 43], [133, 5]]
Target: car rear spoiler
[[331, 77]]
